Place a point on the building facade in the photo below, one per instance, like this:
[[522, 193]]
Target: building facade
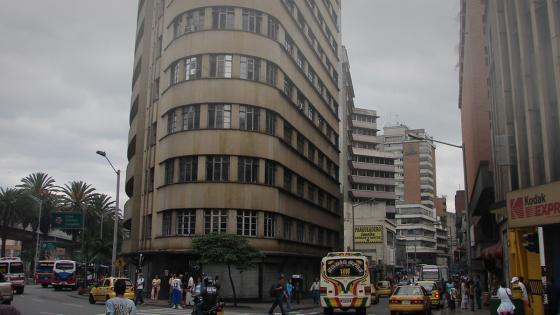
[[234, 129]]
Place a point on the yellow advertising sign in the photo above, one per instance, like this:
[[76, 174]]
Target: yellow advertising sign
[[534, 206], [368, 234]]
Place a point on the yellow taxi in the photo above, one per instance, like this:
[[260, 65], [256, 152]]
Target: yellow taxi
[[410, 299], [433, 290], [384, 288], [106, 290]]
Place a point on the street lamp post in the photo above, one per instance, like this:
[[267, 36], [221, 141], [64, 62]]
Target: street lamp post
[[116, 225], [40, 202], [354, 221], [462, 147]]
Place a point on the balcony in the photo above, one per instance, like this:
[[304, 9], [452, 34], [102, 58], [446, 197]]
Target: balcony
[[365, 125], [373, 194], [373, 180], [372, 166], [368, 139]]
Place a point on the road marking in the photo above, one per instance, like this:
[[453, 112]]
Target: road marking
[[71, 304]]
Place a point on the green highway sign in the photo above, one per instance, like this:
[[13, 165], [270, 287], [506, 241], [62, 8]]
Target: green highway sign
[[48, 246], [66, 220]]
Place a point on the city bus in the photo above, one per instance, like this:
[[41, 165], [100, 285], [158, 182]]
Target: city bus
[[12, 269], [65, 275], [345, 282], [44, 272]]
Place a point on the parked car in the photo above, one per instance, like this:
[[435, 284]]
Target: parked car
[[106, 290], [384, 288], [432, 288], [6, 291], [410, 299]]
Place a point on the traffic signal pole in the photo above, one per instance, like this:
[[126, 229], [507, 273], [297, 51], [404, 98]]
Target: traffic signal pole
[[543, 269]]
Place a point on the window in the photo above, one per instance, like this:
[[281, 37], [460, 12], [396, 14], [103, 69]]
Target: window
[[273, 28], [148, 226], [159, 47], [269, 172], [169, 171], [172, 121], [188, 169], [215, 221], [248, 118], [299, 231], [321, 237], [166, 224], [321, 160], [300, 143], [320, 197], [271, 73], [270, 122], [311, 112], [311, 234], [287, 229], [311, 151], [192, 68], [269, 225], [175, 73], [155, 90], [247, 223], [288, 133], [288, 87], [219, 116], [217, 168], [250, 68], [252, 21], [310, 74], [287, 179], [195, 20], [300, 186], [222, 17], [220, 66], [300, 99], [151, 178], [300, 60], [311, 192], [178, 26], [191, 117], [289, 45], [248, 170], [186, 220]]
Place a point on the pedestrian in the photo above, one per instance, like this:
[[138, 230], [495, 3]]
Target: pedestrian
[[315, 291], [504, 294], [156, 285], [464, 295], [277, 292], [525, 296], [190, 288], [176, 295], [297, 291], [171, 279], [478, 292], [289, 290], [471, 294], [139, 296], [217, 283], [448, 288], [184, 289], [119, 305]]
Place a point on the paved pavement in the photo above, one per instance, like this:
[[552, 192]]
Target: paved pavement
[[39, 301]]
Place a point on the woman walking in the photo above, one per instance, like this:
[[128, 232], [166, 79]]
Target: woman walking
[[156, 284], [504, 294], [177, 294], [288, 291], [464, 295]]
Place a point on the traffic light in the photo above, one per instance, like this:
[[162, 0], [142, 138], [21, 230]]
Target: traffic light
[[531, 242]]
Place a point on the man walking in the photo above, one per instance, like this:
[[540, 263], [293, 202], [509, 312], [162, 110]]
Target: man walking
[[120, 305], [315, 291], [139, 289], [478, 292], [277, 292]]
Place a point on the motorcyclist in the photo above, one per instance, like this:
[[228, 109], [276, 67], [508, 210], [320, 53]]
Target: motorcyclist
[[207, 298]]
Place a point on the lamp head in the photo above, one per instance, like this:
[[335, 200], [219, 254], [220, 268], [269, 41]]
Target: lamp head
[[102, 153]]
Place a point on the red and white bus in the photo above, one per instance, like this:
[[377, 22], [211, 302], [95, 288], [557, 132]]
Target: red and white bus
[[65, 275], [44, 272]]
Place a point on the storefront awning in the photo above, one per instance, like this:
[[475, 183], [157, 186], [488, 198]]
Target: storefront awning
[[495, 251]]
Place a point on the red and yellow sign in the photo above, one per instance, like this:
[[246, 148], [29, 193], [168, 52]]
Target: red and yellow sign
[[539, 205]]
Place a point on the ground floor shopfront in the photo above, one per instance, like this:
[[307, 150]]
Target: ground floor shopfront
[[528, 210], [250, 285]]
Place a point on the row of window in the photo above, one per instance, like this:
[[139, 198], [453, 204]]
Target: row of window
[[219, 117], [364, 118], [370, 173], [372, 160], [364, 145], [250, 69], [372, 187], [217, 168], [364, 131], [224, 17], [183, 223]]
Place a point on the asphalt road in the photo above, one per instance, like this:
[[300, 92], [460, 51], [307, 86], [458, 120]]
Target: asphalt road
[[39, 301]]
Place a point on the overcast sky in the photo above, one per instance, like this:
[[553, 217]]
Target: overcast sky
[[67, 68]]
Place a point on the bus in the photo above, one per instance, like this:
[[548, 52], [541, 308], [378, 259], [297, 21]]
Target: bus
[[430, 273], [44, 272], [65, 275], [12, 269], [345, 282]]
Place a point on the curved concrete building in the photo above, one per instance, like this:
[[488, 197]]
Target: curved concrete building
[[234, 129]]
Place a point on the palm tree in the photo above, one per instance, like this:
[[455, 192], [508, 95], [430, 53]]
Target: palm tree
[[42, 186], [101, 206], [10, 202], [76, 197]]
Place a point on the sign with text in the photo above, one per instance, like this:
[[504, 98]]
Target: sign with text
[[66, 220], [368, 234], [539, 205]]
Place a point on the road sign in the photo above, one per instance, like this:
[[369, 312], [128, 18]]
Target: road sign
[[66, 220], [48, 245], [119, 263]]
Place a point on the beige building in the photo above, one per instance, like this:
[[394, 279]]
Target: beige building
[[234, 129]]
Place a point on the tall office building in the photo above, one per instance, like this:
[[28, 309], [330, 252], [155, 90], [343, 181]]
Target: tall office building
[[234, 129]]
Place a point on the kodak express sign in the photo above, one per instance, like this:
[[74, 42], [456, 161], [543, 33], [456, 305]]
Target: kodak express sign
[[539, 205]]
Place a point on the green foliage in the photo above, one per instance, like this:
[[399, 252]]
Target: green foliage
[[229, 249]]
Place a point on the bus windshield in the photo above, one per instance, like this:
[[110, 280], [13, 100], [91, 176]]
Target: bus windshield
[[353, 267], [430, 274], [64, 266], [16, 267], [45, 267], [4, 267]]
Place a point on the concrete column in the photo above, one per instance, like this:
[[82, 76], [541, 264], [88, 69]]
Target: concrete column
[[232, 222], [234, 116], [199, 224], [207, 18], [238, 21], [262, 169], [233, 168], [260, 224], [205, 66]]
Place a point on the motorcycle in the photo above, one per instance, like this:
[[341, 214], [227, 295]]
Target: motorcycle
[[216, 309]]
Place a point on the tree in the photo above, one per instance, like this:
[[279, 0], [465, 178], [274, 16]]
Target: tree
[[228, 249], [10, 200], [41, 186], [76, 196]]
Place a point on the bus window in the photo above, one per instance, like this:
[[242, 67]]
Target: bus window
[[16, 267], [4, 268], [64, 266]]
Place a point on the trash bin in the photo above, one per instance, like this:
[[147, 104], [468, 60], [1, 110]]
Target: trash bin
[[495, 303]]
